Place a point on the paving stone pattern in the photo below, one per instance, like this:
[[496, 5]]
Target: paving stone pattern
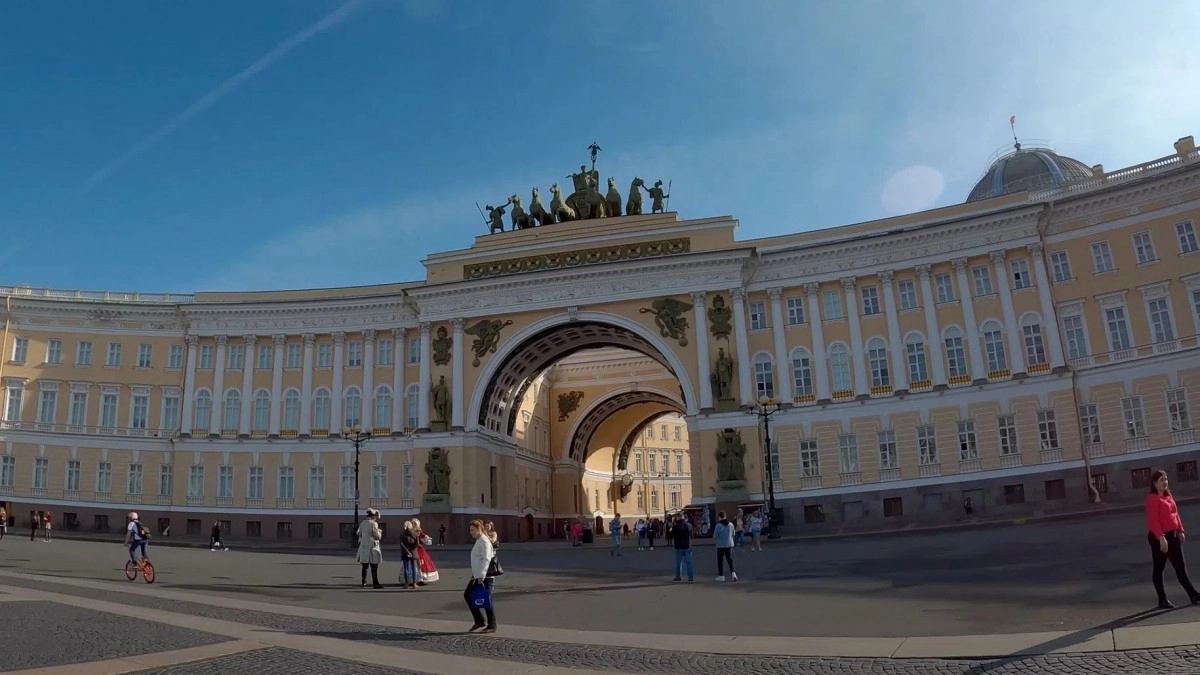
[[1180, 661], [45, 634], [275, 661]]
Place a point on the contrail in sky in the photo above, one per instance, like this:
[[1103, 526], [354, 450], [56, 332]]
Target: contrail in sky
[[222, 90]]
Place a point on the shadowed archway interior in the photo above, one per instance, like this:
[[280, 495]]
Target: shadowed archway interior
[[634, 434], [596, 416]]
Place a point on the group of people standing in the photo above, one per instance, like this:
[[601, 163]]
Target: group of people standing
[[39, 521]]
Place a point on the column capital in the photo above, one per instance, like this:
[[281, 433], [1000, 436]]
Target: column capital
[[369, 335], [457, 324], [192, 340], [959, 264], [849, 283], [222, 340], [251, 340], [812, 288], [1036, 250], [923, 271], [886, 277], [309, 339], [339, 338], [699, 297], [774, 294], [279, 340], [738, 294], [398, 333], [426, 328], [998, 256]]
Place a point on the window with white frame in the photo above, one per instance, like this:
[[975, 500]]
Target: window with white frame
[[877, 353], [927, 445], [1035, 344], [264, 357], [1006, 426], [79, 400], [165, 479], [175, 357], [73, 471], [1143, 246], [956, 356], [48, 406], [255, 483], [1185, 232], [848, 453], [795, 310], [832, 305], [41, 473], [810, 459], [346, 482], [83, 353], [414, 350], [203, 417], [54, 352], [968, 445], [379, 482], [1060, 265], [1102, 260], [145, 356], [233, 410], [354, 354], [1117, 324], [641, 501], [993, 346], [224, 482], [114, 355], [653, 457], [291, 410], [1161, 325], [802, 375], [237, 357], [8, 471], [764, 376], [945, 288], [413, 404], [1134, 416], [135, 480], [195, 488], [139, 411], [758, 315], [1019, 269], [324, 355], [316, 482], [262, 410], [383, 407], [983, 281], [322, 409], [1196, 303], [20, 350], [287, 482], [109, 407], [170, 412], [772, 459], [653, 499], [294, 356], [889, 455], [383, 353], [1089, 423], [908, 294], [870, 300], [918, 364], [676, 496], [839, 367], [1047, 429], [353, 405], [104, 477], [1077, 347], [638, 463], [206, 357], [679, 459], [1177, 410]]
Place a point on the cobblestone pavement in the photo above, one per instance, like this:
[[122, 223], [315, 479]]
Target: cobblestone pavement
[[1180, 661], [44, 634], [275, 661]]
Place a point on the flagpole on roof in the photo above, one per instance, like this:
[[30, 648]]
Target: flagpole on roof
[[1012, 123]]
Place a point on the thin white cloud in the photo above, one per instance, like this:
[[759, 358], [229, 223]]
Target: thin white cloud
[[222, 90]]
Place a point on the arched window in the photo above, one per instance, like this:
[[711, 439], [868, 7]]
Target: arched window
[[1035, 345], [233, 408], [918, 365], [353, 408], [764, 376], [839, 367], [291, 410], [262, 410], [877, 352], [956, 356], [383, 407], [993, 346], [412, 403], [321, 409], [203, 411], [802, 375]]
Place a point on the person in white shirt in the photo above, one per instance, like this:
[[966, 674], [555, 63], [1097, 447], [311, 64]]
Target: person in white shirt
[[481, 559]]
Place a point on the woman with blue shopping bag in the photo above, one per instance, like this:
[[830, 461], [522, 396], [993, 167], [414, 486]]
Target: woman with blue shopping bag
[[477, 595]]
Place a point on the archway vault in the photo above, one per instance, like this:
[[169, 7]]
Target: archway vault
[[532, 350], [658, 403]]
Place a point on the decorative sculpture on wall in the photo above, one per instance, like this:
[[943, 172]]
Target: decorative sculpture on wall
[[440, 395], [568, 403], [441, 347], [487, 337], [437, 472], [731, 456], [722, 377], [719, 318], [669, 316]]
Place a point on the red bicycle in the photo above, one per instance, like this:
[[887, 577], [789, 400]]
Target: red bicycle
[[144, 566]]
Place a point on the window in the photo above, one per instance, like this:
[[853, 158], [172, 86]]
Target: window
[[908, 294], [233, 407], [20, 350], [968, 448], [1102, 260], [1020, 274], [170, 413], [1161, 325], [1100, 482], [264, 357], [832, 301], [1143, 246], [1140, 478], [675, 496], [795, 309], [983, 281], [104, 477], [195, 481], [956, 357], [679, 460], [1134, 416], [1047, 429], [1077, 347], [1014, 494], [810, 459], [291, 410], [203, 410], [758, 315], [653, 499], [237, 357], [78, 409], [1060, 264], [412, 403], [993, 344], [322, 409], [379, 482], [41, 473], [772, 457], [114, 355], [139, 411], [641, 501], [109, 404], [407, 478], [383, 353], [893, 507], [224, 482], [764, 376], [878, 354], [1056, 489], [353, 405], [324, 355], [293, 356], [802, 375], [83, 354], [1007, 428], [1089, 423], [639, 467], [72, 484], [662, 431], [47, 406], [848, 453], [918, 365], [678, 435], [383, 407], [145, 356], [1186, 471], [165, 477], [175, 357], [1177, 410], [1186, 233], [927, 445], [346, 483], [316, 530], [945, 288], [414, 350], [8, 471], [839, 366], [653, 457], [354, 354], [255, 481], [1035, 345], [283, 530], [1118, 329], [54, 352], [287, 482], [316, 482], [134, 484], [206, 357], [889, 456], [870, 300], [262, 410]]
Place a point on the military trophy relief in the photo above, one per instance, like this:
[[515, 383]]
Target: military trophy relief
[[486, 336], [440, 405], [442, 345], [731, 462], [585, 202], [437, 482], [568, 402], [669, 317]]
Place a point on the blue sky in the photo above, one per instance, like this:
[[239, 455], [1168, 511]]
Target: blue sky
[[232, 145]]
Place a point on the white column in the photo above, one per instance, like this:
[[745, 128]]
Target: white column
[[218, 406], [783, 364], [336, 419], [280, 343], [189, 384], [1049, 316], [1016, 343], [247, 384], [974, 348], [368, 394], [456, 402], [744, 367], [819, 364], [703, 368], [306, 386], [899, 352], [399, 356], [934, 338], [862, 385], [423, 383]]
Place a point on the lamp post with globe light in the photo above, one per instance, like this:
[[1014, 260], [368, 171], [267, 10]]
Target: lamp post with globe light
[[763, 410], [357, 437]]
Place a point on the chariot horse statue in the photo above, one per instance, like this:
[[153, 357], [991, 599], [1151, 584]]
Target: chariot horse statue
[[538, 211], [520, 219], [586, 201]]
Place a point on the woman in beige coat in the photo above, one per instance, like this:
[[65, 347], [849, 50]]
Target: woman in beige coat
[[369, 553]]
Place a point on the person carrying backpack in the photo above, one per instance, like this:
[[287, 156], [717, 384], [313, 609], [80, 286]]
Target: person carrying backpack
[[136, 535]]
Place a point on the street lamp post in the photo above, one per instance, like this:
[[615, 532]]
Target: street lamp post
[[663, 475], [763, 410], [357, 437]]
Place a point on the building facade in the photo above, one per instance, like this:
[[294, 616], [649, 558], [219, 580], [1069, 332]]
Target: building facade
[[1030, 350]]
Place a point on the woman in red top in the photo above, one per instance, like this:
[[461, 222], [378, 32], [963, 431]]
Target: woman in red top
[[1165, 534]]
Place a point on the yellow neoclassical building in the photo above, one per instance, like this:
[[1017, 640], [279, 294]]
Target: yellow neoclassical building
[[1026, 351]]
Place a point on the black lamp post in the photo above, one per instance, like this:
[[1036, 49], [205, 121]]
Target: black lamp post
[[356, 437], [763, 410], [663, 475]]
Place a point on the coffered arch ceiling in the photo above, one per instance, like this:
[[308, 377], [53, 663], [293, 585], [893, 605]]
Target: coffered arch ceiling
[[656, 403]]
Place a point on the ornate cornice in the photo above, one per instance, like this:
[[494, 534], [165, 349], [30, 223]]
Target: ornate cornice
[[1123, 195], [589, 256], [297, 317]]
